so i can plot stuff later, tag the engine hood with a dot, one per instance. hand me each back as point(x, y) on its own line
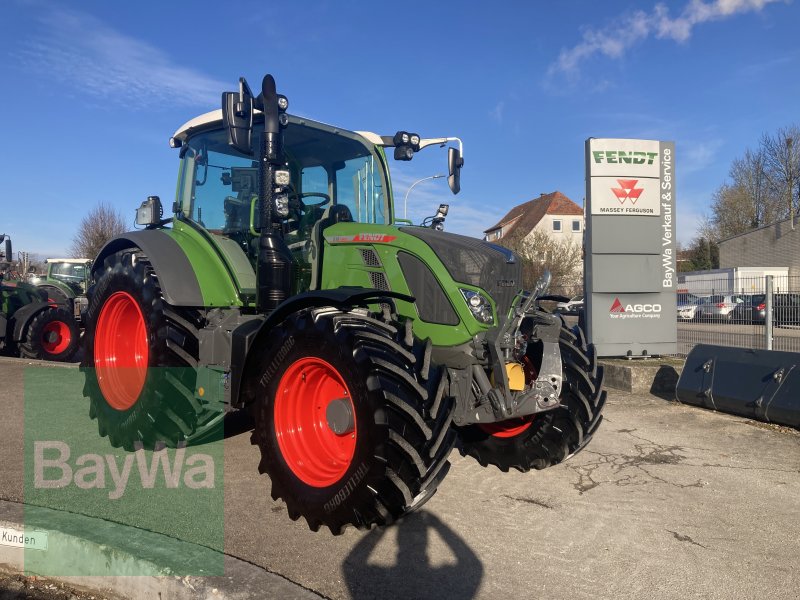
point(474, 262)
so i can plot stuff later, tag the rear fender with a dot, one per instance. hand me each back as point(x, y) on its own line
point(176, 275)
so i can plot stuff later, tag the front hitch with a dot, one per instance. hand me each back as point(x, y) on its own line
point(525, 324)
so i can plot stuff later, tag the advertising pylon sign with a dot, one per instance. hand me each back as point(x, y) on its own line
point(630, 245)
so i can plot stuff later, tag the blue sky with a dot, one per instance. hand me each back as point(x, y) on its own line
point(93, 90)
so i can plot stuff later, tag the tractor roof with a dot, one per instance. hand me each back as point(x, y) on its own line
point(214, 119)
point(73, 261)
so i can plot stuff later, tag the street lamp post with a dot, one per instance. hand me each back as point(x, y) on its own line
point(405, 200)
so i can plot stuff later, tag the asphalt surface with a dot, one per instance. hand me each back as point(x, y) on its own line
point(668, 501)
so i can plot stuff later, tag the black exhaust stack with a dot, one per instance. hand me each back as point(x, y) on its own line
point(274, 278)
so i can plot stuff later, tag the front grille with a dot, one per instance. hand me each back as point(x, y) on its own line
point(370, 257)
point(432, 303)
point(476, 263)
point(379, 281)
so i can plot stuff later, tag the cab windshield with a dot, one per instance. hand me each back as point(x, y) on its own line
point(219, 186)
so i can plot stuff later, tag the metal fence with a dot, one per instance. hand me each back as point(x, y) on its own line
point(759, 312)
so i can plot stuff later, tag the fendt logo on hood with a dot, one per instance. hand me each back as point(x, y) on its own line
point(627, 190)
point(634, 311)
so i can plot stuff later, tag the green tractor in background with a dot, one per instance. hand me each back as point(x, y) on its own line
point(65, 282)
point(364, 347)
point(31, 325)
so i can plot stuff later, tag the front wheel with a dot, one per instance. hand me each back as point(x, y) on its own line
point(353, 427)
point(541, 440)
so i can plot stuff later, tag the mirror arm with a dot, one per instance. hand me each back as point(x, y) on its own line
point(441, 142)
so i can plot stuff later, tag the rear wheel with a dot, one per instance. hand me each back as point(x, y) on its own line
point(353, 427)
point(52, 334)
point(141, 356)
point(541, 440)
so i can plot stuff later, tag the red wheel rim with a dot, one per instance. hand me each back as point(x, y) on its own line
point(121, 351)
point(509, 428)
point(313, 451)
point(56, 337)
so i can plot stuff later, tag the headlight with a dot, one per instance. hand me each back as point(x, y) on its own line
point(479, 306)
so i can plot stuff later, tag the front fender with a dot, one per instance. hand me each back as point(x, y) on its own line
point(252, 334)
point(23, 316)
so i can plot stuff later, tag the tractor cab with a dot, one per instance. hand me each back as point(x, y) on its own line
point(335, 176)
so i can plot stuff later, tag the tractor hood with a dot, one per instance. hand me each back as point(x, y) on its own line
point(477, 263)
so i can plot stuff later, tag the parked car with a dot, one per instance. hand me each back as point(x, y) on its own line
point(718, 307)
point(753, 309)
point(572, 307)
point(750, 310)
point(687, 306)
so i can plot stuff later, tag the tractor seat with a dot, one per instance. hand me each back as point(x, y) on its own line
point(338, 213)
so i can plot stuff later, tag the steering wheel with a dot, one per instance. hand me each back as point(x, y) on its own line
point(325, 198)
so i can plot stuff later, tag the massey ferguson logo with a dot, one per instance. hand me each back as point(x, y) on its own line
point(634, 311)
point(627, 190)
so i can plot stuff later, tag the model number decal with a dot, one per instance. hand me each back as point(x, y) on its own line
point(372, 238)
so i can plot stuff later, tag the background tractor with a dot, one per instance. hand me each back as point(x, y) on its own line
point(31, 326)
point(364, 347)
point(65, 282)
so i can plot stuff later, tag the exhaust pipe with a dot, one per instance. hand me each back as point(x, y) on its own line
point(274, 277)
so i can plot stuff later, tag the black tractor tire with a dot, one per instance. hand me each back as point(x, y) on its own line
point(555, 435)
point(402, 419)
point(52, 334)
point(127, 321)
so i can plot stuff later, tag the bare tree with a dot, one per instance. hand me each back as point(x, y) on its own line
point(732, 212)
point(782, 164)
point(750, 178)
point(101, 224)
point(539, 252)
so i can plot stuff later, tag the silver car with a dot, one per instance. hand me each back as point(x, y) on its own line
point(718, 306)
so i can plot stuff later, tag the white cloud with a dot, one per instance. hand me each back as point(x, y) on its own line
point(94, 59)
point(629, 29)
point(698, 156)
point(497, 112)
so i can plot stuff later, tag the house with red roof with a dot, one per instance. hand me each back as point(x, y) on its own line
point(554, 214)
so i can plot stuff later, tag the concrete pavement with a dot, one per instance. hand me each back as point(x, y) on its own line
point(668, 501)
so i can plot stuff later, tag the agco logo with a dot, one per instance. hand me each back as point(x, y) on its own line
point(634, 311)
point(627, 190)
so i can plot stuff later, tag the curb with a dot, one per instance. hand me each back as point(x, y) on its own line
point(241, 580)
point(651, 376)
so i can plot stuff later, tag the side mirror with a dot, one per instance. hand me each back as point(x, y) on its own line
point(8, 252)
point(454, 164)
point(237, 117)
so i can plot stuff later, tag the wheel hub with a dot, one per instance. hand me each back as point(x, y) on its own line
point(340, 416)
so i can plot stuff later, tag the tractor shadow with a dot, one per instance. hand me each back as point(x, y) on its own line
point(412, 575)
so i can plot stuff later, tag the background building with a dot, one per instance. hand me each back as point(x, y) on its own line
point(553, 213)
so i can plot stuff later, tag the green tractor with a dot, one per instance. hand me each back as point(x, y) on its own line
point(66, 282)
point(31, 325)
point(365, 347)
